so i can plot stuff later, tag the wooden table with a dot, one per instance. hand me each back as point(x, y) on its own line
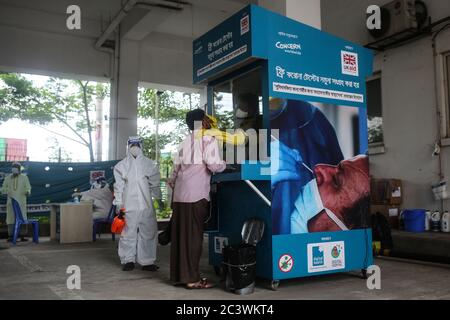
point(71, 222)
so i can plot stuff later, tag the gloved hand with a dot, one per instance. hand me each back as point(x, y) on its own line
point(121, 213)
point(119, 207)
point(286, 163)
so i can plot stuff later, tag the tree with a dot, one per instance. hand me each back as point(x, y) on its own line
point(56, 153)
point(55, 101)
point(223, 113)
point(172, 107)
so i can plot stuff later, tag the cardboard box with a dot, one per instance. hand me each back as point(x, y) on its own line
point(386, 192)
point(392, 213)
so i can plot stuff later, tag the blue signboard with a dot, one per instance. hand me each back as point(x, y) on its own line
point(304, 63)
point(307, 64)
point(226, 45)
point(321, 253)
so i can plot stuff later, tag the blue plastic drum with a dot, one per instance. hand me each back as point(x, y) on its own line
point(414, 220)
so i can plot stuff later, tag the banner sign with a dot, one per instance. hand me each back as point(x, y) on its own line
point(227, 44)
point(304, 63)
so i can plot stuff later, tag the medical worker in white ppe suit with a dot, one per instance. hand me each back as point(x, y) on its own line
point(137, 183)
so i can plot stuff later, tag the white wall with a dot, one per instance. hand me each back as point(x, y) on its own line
point(34, 39)
point(37, 40)
point(409, 108)
point(166, 59)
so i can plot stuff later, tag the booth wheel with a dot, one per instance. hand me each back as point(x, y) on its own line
point(364, 273)
point(274, 284)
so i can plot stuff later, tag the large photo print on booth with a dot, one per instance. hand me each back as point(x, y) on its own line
point(320, 181)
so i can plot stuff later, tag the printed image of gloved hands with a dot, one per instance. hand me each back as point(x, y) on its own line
point(287, 163)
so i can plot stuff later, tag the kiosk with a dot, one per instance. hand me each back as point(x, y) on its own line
point(303, 92)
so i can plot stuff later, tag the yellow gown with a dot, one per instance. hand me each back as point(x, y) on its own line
point(17, 187)
point(237, 138)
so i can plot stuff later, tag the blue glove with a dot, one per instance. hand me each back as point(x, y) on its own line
point(286, 163)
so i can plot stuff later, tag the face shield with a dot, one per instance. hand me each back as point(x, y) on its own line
point(276, 107)
point(134, 146)
point(246, 106)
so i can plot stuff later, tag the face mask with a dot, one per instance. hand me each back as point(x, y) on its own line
point(241, 114)
point(96, 185)
point(308, 205)
point(134, 151)
point(15, 170)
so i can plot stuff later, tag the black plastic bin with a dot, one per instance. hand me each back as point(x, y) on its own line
point(239, 265)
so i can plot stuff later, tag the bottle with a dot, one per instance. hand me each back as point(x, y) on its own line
point(436, 221)
point(427, 220)
point(445, 222)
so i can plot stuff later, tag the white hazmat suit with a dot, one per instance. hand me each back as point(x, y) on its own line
point(137, 182)
point(102, 198)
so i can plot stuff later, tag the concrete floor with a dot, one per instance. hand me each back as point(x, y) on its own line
point(29, 271)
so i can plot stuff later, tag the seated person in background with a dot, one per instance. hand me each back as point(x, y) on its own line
point(247, 112)
point(101, 195)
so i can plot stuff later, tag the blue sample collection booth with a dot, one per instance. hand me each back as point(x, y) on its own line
point(305, 90)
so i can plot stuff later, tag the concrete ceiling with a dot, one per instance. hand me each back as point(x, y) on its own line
point(92, 10)
point(193, 20)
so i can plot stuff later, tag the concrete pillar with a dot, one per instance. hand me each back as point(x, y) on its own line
point(305, 11)
point(278, 6)
point(123, 115)
point(203, 96)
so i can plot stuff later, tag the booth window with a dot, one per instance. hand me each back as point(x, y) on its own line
point(375, 111)
point(223, 106)
point(238, 102)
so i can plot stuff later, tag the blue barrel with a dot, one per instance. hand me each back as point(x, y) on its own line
point(414, 220)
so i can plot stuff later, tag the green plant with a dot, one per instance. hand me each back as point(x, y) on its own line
point(41, 219)
point(170, 108)
point(162, 213)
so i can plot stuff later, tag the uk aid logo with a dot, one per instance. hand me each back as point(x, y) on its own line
point(349, 61)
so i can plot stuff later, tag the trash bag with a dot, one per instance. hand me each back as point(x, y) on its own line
point(239, 265)
point(165, 236)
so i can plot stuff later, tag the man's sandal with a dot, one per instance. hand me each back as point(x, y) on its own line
point(202, 284)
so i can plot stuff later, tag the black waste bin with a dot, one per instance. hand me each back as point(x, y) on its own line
point(239, 261)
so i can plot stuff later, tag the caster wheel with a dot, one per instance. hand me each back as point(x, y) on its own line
point(274, 284)
point(364, 274)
